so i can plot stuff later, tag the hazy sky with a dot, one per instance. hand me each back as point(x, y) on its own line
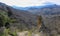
point(24, 3)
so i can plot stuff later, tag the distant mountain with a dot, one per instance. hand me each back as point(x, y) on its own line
point(20, 8)
point(46, 4)
point(47, 9)
point(37, 9)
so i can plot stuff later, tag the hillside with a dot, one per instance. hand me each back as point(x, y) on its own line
point(51, 19)
point(23, 18)
point(27, 19)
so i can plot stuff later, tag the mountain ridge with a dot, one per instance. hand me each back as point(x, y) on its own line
point(35, 7)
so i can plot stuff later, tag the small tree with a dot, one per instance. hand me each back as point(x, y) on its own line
point(39, 21)
point(5, 19)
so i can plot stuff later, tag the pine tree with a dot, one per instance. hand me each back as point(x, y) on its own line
point(39, 21)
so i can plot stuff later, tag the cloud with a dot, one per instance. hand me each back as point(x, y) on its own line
point(25, 3)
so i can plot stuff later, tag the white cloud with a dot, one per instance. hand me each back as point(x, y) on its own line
point(25, 3)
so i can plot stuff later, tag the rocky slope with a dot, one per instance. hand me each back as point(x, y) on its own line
point(51, 19)
point(23, 18)
point(50, 16)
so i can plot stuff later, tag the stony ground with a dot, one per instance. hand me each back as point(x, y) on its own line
point(26, 33)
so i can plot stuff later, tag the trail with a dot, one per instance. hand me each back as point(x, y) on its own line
point(25, 33)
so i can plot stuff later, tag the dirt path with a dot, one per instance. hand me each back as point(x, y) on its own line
point(25, 33)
